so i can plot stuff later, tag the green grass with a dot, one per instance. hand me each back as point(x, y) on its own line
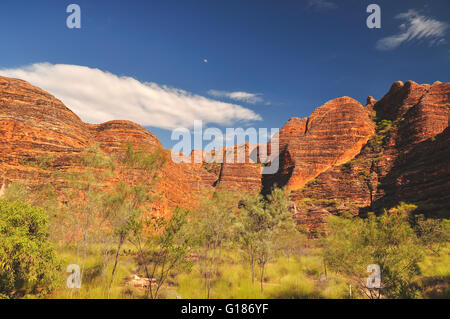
point(96, 277)
point(435, 278)
point(437, 265)
point(287, 278)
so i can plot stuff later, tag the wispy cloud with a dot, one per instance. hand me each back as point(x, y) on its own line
point(98, 96)
point(322, 5)
point(415, 27)
point(246, 97)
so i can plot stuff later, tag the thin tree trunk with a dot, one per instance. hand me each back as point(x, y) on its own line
point(211, 269)
point(206, 269)
point(84, 257)
point(115, 265)
point(262, 277)
point(253, 269)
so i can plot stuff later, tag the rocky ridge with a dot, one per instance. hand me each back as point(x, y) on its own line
point(344, 158)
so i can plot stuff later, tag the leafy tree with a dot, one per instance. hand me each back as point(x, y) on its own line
point(162, 247)
point(81, 216)
point(133, 196)
point(74, 200)
point(27, 258)
point(433, 233)
point(122, 208)
point(276, 221)
point(248, 228)
point(263, 226)
point(293, 242)
point(388, 240)
point(211, 229)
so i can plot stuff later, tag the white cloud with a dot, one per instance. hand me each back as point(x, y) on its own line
point(98, 96)
point(415, 27)
point(321, 4)
point(246, 97)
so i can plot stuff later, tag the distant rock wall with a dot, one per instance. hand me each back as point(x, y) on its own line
point(332, 135)
point(407, 159)
point(344, 158)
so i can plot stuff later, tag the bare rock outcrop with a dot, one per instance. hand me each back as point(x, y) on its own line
point(345, 158)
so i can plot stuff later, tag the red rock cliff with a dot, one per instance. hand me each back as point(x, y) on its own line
point(407, 159)
point(345, 157)
point(39, 134)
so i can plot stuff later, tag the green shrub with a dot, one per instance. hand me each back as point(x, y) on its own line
point(387, 240)
point(27, 259)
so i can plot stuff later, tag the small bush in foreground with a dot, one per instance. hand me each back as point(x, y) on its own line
point(27, 258)
point(387, 240)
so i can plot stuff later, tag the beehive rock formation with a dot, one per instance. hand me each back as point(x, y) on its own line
point(344, 158)
point(34, 125)
point(406, 160)
point(332, 135)
point(39, 135)
point(236, 172)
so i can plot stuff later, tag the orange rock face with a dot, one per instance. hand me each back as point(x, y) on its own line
point(406, 160)
point(238, 172)
point(39, 135)
point(343, 158)
point(332, 135)
point(417, 168)
point(111, 135)
point(35, 126)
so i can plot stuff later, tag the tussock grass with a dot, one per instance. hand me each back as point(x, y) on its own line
point(435, 278)
point(96, 276)
point(299, 277)
point(286, 278)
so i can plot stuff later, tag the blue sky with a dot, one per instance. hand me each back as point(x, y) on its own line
point(290, 56)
